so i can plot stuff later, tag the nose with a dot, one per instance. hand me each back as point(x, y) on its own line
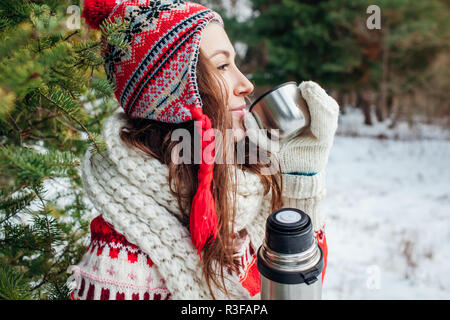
point(244, 87)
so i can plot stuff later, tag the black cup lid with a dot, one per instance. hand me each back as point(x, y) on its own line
point(289, 230)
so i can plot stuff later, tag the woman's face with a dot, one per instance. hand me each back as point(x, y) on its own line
point(218, 49)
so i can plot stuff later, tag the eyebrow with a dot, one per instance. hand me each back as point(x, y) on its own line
point(225, 52)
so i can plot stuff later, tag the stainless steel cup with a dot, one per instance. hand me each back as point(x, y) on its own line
point(290, 261)
point(282, 109)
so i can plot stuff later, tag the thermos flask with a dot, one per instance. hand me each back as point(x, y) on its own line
point(290, 261)
point(282, 111)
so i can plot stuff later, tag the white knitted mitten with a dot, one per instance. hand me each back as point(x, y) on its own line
point(308, 152)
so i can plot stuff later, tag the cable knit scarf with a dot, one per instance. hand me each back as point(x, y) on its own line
point(131, 191)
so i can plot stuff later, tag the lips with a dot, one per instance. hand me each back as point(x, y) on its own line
point(238, 108)
point(238, 112)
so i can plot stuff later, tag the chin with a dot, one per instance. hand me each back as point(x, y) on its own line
point(238, 134)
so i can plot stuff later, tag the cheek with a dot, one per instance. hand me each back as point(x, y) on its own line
point(226, 89)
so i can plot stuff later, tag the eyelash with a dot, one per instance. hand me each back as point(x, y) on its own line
point(223, 66)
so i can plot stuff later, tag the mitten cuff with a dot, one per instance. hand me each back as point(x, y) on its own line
point(302, 186)
point(304, 158)
point(305, 193)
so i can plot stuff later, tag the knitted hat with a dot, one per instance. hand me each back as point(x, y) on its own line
point(156, 78)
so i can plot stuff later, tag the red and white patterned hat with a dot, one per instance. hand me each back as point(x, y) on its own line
point(156, 78)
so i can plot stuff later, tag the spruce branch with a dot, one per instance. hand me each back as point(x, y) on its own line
point(69, 113)
point(47, 74)
point(11, 205)
point(19, 131)
point(70, 35)
point(13, 286)
point(114, 33)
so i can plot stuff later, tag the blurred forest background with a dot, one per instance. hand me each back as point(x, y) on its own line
point(394, 72)
point(54, 97)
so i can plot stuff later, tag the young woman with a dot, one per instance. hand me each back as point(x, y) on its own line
point(190, 230)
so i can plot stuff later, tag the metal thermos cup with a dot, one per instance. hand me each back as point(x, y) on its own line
point(290, 261)
point(282, 109)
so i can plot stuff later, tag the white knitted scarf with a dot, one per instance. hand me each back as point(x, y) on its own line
point(131, 191)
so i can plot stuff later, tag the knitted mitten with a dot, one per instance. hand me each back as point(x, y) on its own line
point(306, 153)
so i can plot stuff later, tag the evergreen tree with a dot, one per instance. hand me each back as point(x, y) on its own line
point(328, 41)
point(413, 35)
point(298, 40)
point(53, 99)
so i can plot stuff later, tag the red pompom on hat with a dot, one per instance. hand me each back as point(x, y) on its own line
point(95, 11)
point(156, 79)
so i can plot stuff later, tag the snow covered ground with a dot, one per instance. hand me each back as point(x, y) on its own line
point(388, 213)
point(388, 210)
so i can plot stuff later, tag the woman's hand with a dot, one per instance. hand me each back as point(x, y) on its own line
point(308, 152)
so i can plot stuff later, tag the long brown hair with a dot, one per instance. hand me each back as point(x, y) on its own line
point(154, 138)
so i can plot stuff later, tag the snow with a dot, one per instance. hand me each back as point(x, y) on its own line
point(351, 125)
point(387, 208)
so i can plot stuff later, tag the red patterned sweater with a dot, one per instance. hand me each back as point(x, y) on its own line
point(115, 269)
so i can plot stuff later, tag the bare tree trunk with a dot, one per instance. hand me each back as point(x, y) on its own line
point(389, 104)
point(353, 100)
point(340, 100)
point(381, 109)
point(397, 109)
point(345, 102)
point(409, 110)
point(366, 106)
